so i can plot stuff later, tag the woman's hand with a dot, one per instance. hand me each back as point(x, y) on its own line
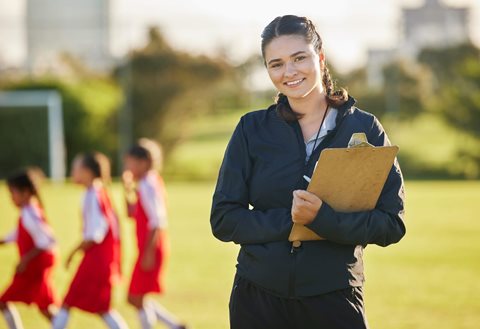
point(305, 207)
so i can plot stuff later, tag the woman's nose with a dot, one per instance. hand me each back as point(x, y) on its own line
point(290, 70)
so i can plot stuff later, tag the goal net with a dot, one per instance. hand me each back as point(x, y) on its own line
point(31, 132)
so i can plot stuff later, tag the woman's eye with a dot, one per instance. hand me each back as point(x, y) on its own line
point(300, 58)
point(276, 65)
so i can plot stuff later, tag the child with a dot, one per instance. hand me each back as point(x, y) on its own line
point(91, 287)
point(150, 215)
point(36, 245)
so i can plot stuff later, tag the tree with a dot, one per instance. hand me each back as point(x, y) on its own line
point(165, 87)
point(403, 95)
point(457, 98)
point(457, 76)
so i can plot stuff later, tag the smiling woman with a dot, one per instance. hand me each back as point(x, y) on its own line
point(301, 56)
point(261, 191)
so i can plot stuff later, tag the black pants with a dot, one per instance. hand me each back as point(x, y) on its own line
point(253, 308)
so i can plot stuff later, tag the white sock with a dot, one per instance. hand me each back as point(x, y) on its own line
point(12, 318)
point(147, 319)
point(114, 320)
point(161, 314)
point(60, 319)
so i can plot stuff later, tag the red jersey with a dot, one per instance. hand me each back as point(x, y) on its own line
point(99, 269)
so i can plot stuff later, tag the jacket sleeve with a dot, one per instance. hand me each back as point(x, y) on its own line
point(383, 225)
point(231, 219)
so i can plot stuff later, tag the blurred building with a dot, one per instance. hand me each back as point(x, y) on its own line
point(80, 29)
point(433, 25)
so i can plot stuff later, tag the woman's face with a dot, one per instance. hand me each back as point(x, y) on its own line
point(294, 66)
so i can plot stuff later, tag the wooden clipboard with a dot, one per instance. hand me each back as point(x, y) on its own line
point(349, 180)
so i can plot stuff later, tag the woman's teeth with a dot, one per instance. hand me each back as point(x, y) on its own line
point(293, 83)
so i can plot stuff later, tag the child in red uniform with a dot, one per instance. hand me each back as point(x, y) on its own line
point(36, 245)
point(149, 211)
point(91, 287)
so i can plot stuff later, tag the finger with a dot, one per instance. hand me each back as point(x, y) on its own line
point(307, 196)
point(302, 203)
point(294, 214)
point(299, 203)
point(295, 211)
point(295, 219)
point(299, 195)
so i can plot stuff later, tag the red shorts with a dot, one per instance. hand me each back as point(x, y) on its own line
point(33, 286)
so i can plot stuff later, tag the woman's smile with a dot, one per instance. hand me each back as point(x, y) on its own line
point(294, 83)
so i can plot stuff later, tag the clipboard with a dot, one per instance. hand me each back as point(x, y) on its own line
point(348, 179)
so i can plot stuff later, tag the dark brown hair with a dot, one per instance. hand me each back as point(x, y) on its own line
point(97, 163)
point(295, 25)
point(26, 180)
point(147, 149)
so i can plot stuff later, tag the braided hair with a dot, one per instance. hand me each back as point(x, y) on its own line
point(296, 25)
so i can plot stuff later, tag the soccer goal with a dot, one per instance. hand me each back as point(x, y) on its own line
point(51, 101)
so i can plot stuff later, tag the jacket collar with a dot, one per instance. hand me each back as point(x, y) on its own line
point(343, 110)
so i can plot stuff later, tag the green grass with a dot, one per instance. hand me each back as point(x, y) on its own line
point(438, 151)
point(428, 280)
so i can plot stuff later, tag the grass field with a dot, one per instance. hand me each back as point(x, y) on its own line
point(428, 280)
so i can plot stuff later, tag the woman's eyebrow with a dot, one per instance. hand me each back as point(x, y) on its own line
point(298, 53)
point(274, 60)
point(292, 55)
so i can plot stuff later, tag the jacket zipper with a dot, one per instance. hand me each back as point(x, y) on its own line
point(293, 272)
point(326, 140)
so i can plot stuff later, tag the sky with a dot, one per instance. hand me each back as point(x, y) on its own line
point(348, 27)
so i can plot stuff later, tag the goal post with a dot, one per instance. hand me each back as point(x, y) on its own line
point(52, 101)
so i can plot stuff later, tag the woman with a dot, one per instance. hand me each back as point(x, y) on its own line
point(260, 193)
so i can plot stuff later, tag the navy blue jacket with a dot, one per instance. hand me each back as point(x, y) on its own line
point(263, 164)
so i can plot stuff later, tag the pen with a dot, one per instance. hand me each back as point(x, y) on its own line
point(308, 179)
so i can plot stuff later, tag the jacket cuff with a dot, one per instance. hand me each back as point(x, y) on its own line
point(323, 223)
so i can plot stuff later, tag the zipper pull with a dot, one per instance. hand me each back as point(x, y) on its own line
point(295, 246)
